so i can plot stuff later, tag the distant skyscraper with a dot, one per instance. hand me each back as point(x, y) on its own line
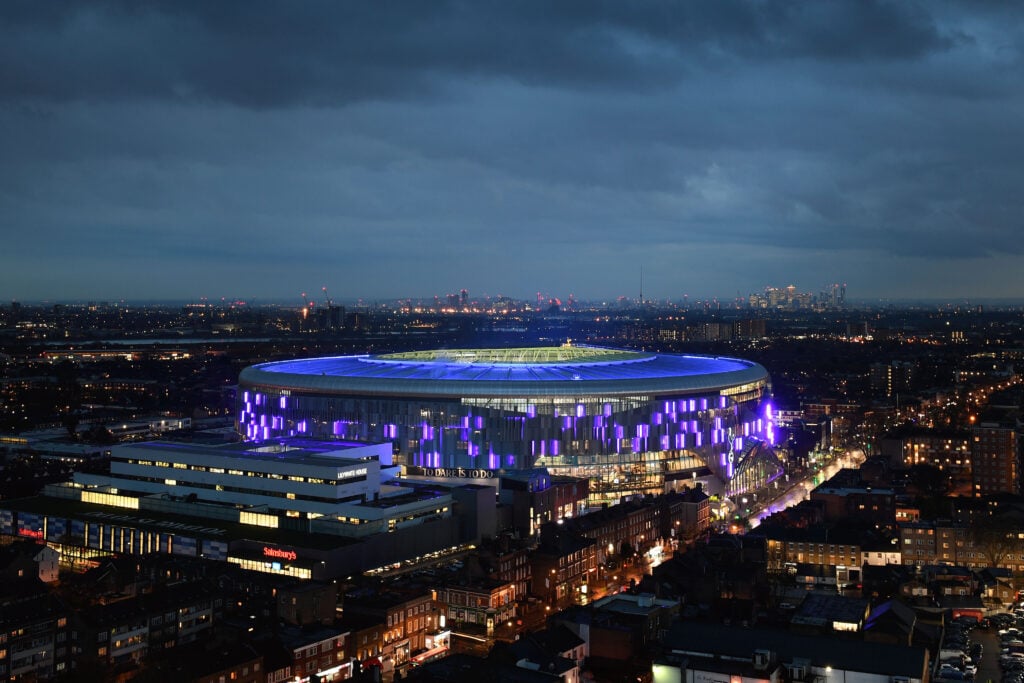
point(837, 296)
point(892, 378)
point(749, 329)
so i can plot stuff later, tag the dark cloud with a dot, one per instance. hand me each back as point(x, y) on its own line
point(267, 54)
point(177, 149)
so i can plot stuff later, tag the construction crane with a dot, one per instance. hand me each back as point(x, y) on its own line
point(307, 305)
point(331, 317)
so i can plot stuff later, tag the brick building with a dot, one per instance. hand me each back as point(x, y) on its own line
point(949, 450)
point(505, 559)
point(310, 652)
point(479, 602)
point(813, 545)
point(532, 498)
point(406, 619)
point(873, 505)
point(563, 566)
point(309, 602)
point(127, 631)
point(631, 526)
point(34, 633)
point(994, 458)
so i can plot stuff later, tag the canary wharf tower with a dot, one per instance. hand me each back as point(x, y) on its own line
point(630, 421)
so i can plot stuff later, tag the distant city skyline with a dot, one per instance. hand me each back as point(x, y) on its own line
point(177, 150)
point(581, 302)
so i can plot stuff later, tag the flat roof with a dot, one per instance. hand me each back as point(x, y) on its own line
point(642, 604)
point(200, 527)
point(704, 639)
point(287, 449)
point(549, 371)
point(821, 609)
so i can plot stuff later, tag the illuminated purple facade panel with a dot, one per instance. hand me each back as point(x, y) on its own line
point(438, 430)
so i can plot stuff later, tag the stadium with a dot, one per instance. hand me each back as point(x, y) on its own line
point(631, 422)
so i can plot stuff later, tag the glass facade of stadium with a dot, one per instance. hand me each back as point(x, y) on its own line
point(625, 442)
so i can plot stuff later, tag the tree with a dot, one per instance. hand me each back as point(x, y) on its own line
point(995, 537)
point(99, 434)
point(70, 422)
point(928, 480)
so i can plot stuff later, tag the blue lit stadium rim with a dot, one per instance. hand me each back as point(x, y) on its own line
point(582, 411)
point(509, 372)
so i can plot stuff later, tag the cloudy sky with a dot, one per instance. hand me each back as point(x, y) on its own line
point(173, 150)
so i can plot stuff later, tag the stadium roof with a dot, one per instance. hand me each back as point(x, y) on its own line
point(546, 371)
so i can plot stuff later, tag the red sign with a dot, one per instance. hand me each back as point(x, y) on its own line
point(289, 555)
point(30, 533)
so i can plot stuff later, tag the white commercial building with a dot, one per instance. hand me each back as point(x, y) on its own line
point(311, 509)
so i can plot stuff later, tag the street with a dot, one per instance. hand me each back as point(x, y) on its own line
point(801, 489)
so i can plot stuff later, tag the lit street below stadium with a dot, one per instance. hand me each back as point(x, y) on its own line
point(800, 489)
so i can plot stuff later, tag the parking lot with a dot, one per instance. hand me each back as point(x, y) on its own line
point(960, 636)
point(988, 668)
